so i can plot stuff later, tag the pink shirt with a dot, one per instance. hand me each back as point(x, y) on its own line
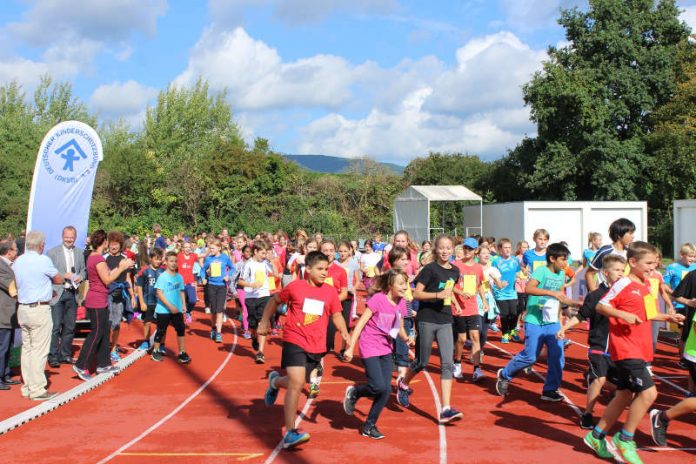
point(97, 295)
point(375, 339)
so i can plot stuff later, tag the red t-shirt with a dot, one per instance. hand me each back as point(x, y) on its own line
point(469, 276)
point(309, 309)
point(339, 279)
point(186, 266)
point(630, 341)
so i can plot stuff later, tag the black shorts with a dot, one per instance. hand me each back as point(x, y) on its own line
point(164, 320)
point(601, 366)
point(255, 307)
point(465, 324)
point(633, 375)
point(686, 328)
point(295, 356)
point(149, 314)
point(217, 297)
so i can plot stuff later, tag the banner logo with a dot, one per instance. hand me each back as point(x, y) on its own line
point(69, 154)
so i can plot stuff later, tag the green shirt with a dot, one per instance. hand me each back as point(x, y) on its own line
point(548, 280)
point(690, 345)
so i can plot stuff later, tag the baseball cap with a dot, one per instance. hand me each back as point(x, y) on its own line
point(471, 243)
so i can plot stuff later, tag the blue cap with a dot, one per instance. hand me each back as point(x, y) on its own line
point(471, 242)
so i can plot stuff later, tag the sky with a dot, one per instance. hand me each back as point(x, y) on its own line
point(389, 79)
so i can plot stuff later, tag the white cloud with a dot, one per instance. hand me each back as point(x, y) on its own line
point(26, 72)
point(688, 15)
point(105, 21)
point(297, 12)
point(256, 76)
point(126, 100)
point(529, 15)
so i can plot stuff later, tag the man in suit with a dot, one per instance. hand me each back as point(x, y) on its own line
point(70, 262)
point(8, 310)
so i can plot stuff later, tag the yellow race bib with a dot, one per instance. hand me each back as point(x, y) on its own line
point(654, 287)
point(650, 307)
point(469, 284)
point(408, 295)
point(537, 264)
point(271, 283)
point(684, 274)
point(215, 269)
point(370, 271)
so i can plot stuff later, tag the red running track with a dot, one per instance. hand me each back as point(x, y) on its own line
point(212, 411)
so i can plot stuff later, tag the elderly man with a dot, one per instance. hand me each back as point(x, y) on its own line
point(8, 310)
point(70, 262)
point(35, 274)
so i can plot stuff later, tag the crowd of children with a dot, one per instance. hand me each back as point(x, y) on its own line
point(453, 291)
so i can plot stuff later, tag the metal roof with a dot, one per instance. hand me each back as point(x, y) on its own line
point(438, 193)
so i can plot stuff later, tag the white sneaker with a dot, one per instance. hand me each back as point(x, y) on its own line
point(457, 372)
point(207, 310)
point(224, 317)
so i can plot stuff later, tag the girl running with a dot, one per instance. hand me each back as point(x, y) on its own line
point(491, 276)
point(381, 322)
point(399, 260)
point(217, 267)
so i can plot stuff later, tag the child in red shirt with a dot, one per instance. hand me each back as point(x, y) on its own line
point(311, 304)
point(630, 308)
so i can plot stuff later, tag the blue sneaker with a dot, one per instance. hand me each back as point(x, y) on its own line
point(449, 415)
point(115, 356)
point(505, 339)
point(162, 349)
point(272, 393)
point(212, 334)
point(515, 336)
point(144, 346)
point(294, 437)
point(403, 392)
point(218, 338)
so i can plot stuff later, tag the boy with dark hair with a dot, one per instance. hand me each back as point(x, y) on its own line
point(170, 308)
point(621, 233)
point(630, 307)
point(310, 303)
point(542, 324)
point(147, 295)
point(601, 367)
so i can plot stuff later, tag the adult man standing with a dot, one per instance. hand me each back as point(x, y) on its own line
point(35, 274)
point(8, 310)
point(70, 262)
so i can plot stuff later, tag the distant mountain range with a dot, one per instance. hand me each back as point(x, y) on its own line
point(333, 164)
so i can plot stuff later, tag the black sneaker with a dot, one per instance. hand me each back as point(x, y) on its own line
point(587, 422)
point(157, 356)
point(370, 431)
point(255, 344)
point(501, 386)
point(551, 395)
point(349, 400)
point(184, 358)
point(658, 429)
point(260, 358)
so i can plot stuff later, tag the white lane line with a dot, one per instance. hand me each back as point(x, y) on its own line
point(181, 406)
point(441, 429)
point(663, 379)
point(566, 400)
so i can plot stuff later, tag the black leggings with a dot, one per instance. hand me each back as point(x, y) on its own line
point(163, 321)
point(346, 306)
point(508, 315)
point(379, 376)
point(98, 343)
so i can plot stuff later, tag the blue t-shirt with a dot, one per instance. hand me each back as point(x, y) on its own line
point(532, 260)
point(146, 280)
point(161, 243)
point(171, 286)
point(219, 266)
point(588, 255)
point(508, 273)
point(674, 273)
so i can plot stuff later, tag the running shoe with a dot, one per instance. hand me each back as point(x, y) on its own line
point(649, 369)
point(528, 370)
point(494, 328)
point(246, 335)
point(115, 356)
point(505, 339)
point(207, 310)
point(187, 318)
point(566, 343)
point(313, 390)
point(255, 344)
point(163, 350)
point(371, 431)
point(82, 373)
point(587, 422)
point(551, 395)
point(478, 375)
point(212, 334)
point(157, 356)
point(501, 386)
point(259, 358)
point(108, 370)
point(349, 400)
point(294, 437)
point(515, 336)
point(183, 358)
point(272, 392)
point(403, 392)
point(218, 338)
point(599, 446)
point(144, 346)
point(449, 415)
point(626, 449)
point(457, 371)
point(658, 429)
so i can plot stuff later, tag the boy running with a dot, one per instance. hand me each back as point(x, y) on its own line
point(310, 305)
point(147, 294)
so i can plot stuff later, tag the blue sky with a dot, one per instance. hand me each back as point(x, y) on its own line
point(389, 79)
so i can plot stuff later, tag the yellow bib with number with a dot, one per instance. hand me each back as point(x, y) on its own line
point(370, 271)
point(408, 295)
point(650, 307)
point(271, 283)
point(215, 269)
point(260, 276)
point(684, 274)
point(654, 287)
point(469, 284)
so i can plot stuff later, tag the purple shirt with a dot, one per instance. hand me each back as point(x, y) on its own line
point(375, 339)
point(97, 293)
